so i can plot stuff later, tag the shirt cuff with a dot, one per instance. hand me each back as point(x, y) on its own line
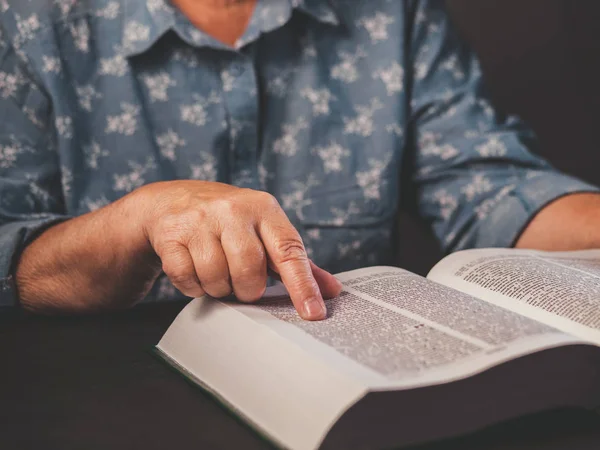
point(513, 209)
point(14, 237)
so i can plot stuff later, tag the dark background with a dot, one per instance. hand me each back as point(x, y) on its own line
point(91, 383)
point(541, 60)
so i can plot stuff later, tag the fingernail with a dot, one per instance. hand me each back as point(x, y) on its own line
point(314, 308)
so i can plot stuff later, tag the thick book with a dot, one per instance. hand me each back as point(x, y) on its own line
point(489, 335)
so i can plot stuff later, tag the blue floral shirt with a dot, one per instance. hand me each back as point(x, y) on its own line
point(339, 108)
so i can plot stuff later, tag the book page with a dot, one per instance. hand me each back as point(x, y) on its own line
point(274, 385)
point(561, 289)
point(393, 329)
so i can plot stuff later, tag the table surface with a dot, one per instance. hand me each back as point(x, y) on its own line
point(94, 383)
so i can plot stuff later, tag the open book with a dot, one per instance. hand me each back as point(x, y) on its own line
point(490, 335)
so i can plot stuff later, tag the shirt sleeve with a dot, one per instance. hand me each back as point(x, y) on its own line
point(473, 173)
point(30, 186)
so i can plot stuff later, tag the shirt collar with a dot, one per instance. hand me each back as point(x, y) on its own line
point(321, 10)
point(145, 21)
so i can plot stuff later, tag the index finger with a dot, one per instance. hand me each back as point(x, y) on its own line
point(287, 253)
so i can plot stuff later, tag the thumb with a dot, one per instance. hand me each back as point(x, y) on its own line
point(329, 285)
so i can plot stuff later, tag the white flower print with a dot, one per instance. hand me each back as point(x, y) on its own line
point(363, 124)
point(156, 5)
point(228, 80)
point(93, 205)
point(117, 65)
point(392, 77)
point(64, 126)
point(471, 134)
point(341, 216)
point(9, 154)
point(86, 95)
point(26, 29)
point(450, 238)
point(452, 64)
point(186, 55)
point(166, 290)
point(50, 64)
point(135, 177)
point(168, 143)
point(65, 6)
point(81, 36)
point(371, 180)
point(345, 249)
point(158, 85)
point(110, 11)
point(494, 147)
point(295, 200)
point(421, 70)
point(450, 112)
point(479, 184)
point(287, 144)
point(314, 234)
point(444, 151)
point(10, 83)
point(427, 139)
point(446, 202)
point(93, 152)
point(376, 26)
point(244, 178)
point(206, 171)
point(135, 32)
point(195, 113)
point(32, 116)
point(346, 70)
point(483, 209)
point(530, 174)
point(319, 98)
point(124, 123)
point(425, 170)
point(236, 127)
point(488, 110)
point(278, 85)
point(332, 156)
point(37, 194)
point(307, 44)
point(433, 28)
point(197, 36)
point(66, 176)
point(420, 17)
point(394, 128)
point(263, 175)
point(430, 147)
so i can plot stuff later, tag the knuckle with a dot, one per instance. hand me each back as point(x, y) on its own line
point(172, 225)
point(251, 252)
point(248, 275)
point(250, 292)
point(291, 249)
point(217, 290)
point(227, 206)
point(267, 199)
point(250, 296)
point(179, 275)
point(215, 280)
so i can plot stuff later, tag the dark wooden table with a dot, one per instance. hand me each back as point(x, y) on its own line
point(94, 383)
